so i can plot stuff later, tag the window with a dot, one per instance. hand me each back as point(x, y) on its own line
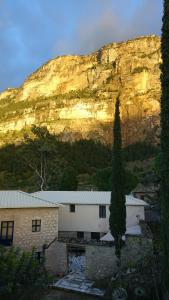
point(95, 236)
point(102, 211)
point(36, 225)
point(7, 228)
point(38, 256)
point(80, 235)
point(72, 207)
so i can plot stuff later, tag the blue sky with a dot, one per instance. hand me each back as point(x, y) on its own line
point(34, 31)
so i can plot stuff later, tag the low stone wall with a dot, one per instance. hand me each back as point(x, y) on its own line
point(101, 261)
point(136, 250)
point(56, 258)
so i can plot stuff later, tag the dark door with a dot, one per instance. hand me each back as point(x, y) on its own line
point(76, 260)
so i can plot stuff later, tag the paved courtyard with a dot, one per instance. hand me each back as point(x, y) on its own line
point(62, 295)
point(78, 283)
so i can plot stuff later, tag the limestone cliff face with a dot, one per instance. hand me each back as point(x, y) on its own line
point(74, 96)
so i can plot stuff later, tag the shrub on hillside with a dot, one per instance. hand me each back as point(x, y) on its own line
point(103, 180)
point(139, 151)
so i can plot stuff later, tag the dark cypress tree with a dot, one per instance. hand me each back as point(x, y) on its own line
point(164, 167)
point(117, 219)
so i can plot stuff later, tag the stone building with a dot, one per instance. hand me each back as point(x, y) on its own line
point(28, 222)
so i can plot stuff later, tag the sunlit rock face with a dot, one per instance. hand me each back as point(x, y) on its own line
point(74, 96)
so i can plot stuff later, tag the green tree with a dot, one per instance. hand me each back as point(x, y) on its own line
point(165, 140)
point(69, 180)
point(41, 156)
point(117, 218)
point(102, 179)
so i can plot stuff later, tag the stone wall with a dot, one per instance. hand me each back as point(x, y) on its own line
point(101, 261)
point(136, 250)
point(56, 258)
point(23, 236)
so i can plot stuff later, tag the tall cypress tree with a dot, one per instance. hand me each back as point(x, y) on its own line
point(165, 139)
point(117, 220)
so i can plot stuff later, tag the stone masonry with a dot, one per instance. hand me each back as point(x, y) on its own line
point(23, 236)
point(56, 258)
point(101, 261)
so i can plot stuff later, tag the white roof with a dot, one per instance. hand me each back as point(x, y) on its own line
point(18, 199)
point(78, 197)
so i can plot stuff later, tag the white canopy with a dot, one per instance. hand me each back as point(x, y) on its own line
point(133, 230)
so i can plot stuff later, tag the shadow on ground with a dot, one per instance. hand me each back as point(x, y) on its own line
point(61, 295)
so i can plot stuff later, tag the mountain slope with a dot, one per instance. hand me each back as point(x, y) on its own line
point(74, 96)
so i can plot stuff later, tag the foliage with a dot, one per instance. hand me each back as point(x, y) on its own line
point(102, 179)
point(139, 151)
point(130, 182)
point(69, 180)
point(117, 218)
point(21, 274)
point(139, 69)
point(164, 167)
point(157, 164)
point(99, 56)
point(83, 93)
point(42, 159)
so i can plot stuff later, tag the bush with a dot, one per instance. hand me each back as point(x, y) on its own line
point(103, 180)
point(139, 70)
point(69, 180)
point(139, 151)
point(21, 274)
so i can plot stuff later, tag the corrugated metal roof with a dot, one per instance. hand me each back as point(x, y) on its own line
point(18, 199)
point(78, 197)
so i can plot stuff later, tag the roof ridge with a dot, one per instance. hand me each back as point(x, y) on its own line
point(43, 200)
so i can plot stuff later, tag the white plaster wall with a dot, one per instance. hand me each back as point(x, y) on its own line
point(86, 218)
point(132, 212)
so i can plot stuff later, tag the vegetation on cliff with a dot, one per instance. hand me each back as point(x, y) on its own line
point(41, 160)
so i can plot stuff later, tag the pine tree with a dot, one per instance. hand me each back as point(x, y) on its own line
point(164, 168)
point(117, 219)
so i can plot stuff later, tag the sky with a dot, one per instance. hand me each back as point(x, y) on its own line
point(35, 31)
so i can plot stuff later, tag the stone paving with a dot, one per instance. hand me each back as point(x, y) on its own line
point(67, 295)
point(78, 283)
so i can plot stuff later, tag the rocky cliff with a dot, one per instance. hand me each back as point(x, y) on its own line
point(74, 96)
